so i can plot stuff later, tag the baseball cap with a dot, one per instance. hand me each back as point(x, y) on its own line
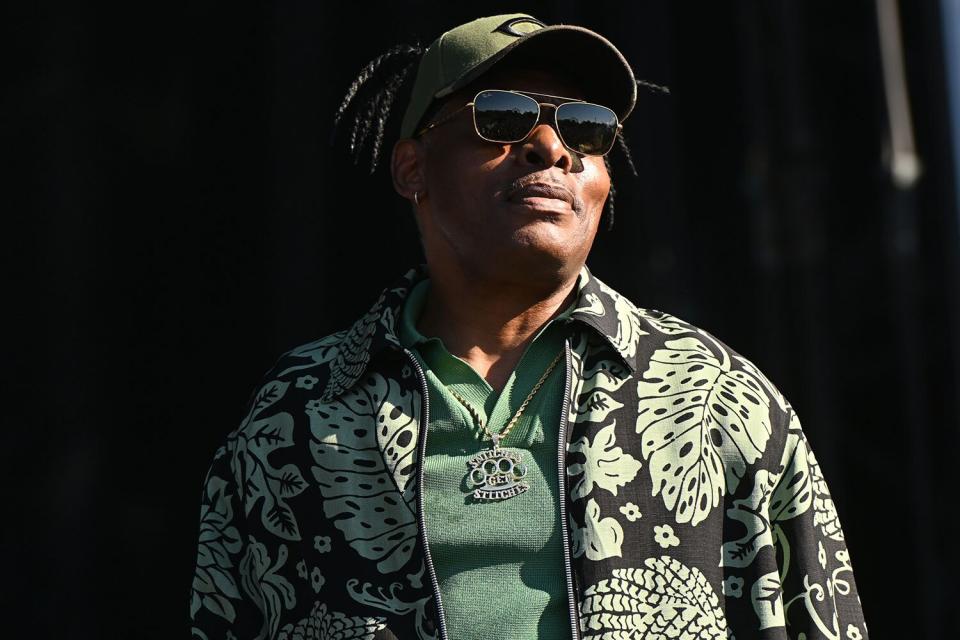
point(466, 52)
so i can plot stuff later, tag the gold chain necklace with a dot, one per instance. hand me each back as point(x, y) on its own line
point(498, 474)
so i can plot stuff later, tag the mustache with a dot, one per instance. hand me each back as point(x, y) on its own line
point(576, 202)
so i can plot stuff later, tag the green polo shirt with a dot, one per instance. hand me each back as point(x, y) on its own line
point(499, 563)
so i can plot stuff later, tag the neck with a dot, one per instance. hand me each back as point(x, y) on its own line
point(488, 323)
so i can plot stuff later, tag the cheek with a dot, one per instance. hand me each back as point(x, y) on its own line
point(596, 183)
point(465, 177)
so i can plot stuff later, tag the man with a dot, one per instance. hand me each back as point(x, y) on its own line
point(503, 446)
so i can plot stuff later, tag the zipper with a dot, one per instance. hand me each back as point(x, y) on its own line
point(562, 493)
point(421, 520)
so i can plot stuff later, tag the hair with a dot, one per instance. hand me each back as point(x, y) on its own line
point(374, 92)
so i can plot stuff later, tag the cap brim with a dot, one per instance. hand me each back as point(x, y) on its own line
point(601, 70)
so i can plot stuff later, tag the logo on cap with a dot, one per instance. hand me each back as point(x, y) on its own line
point(507, 27)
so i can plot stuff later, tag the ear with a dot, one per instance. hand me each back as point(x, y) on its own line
point(406, 167)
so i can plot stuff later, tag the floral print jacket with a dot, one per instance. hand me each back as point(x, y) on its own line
point(694, 505)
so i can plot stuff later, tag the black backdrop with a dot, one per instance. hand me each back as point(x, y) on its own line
point(176, 218)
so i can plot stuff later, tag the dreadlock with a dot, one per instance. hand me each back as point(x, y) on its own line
point(376, 89)
point(622, 145)
point(659, 88)
point(608, 205)
point(625, 149)
point(379, 82)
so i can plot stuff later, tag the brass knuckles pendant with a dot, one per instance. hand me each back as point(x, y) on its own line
point(497, 474)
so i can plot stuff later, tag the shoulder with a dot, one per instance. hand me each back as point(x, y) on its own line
point(305, 369)
point(705, 412)
point(264, 456)
point(701, 360)
point(660, 340)
point(685, 372)
point(685, 375)
point(314, 358)
point(653, 336)
point(700, 416)
point(307, 365)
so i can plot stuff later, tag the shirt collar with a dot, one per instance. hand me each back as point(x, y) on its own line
point(409, 335)
point(597, 306)
point(407, 331)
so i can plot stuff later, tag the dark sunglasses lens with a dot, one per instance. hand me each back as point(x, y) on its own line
point(504, 117)
point(587, 128)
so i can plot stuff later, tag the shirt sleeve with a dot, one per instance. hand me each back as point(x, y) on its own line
point(220, 607)
point(812, 592)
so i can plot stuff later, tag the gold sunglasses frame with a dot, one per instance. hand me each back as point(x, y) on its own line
point(540, 105)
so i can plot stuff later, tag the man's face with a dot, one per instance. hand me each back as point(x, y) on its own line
point(518, 212)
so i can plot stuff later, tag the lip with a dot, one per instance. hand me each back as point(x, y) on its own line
point(541, 195)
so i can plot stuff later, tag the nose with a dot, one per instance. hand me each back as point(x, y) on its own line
point(543, 149)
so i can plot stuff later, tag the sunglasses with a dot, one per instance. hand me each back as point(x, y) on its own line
point(506, 117)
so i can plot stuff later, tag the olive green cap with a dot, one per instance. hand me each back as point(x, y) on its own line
point(464, 53)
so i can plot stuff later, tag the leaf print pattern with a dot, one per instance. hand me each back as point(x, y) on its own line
point(751, 512)
point(595, 390)
point(313, 353)
point(666, 599)
point(213, 584)
point(771, 520)
point(772, 391)
point(793, 494)
point(358, 482)
point(814, 593)
point(628, 323)
point(606, 465)
point(588, 302)
point(599, 538)
point(593, 305)
point(256, 439)
point(353, 351)
point(701, 423)
point(767, 601)
point(693, 414)
point(825, 513)
point(389, 599)
point(322, 624)
point(264, 585)
point(773, 500)
point(664, 322)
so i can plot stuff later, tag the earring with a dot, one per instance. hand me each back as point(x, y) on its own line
point(416, 197)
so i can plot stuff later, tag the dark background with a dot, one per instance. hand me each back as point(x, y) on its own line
point(176, 218)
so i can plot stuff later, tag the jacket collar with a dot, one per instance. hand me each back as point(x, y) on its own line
point(598, 306)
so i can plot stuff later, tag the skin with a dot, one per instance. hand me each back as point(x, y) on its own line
point(501, 263)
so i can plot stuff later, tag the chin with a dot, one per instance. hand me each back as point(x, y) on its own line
point(534, 259)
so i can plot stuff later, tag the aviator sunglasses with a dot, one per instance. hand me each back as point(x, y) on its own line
point(510, 116)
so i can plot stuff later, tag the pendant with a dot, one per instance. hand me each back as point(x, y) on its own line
point(497, 474)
